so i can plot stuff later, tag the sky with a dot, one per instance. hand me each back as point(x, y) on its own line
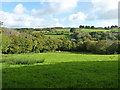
point(58, 13)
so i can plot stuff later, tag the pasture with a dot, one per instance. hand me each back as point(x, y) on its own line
point(62, 29)
point(62, 70)
point(59, 36)
point(86, 30)
point(93, 30)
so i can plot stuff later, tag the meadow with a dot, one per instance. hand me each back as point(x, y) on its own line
point(62, 29)
point(60, 36)
point(67, 32)
point(86, 30)
point(61, 70)
point(31, 60)
point(94, 30)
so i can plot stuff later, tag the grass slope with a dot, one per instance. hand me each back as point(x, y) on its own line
point(63, 70)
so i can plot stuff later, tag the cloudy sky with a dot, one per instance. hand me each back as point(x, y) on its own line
point(55, 13)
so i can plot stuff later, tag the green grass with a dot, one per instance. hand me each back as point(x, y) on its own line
point(62, 29)
point(59, 36)
point(93, 30)
point(63, 70)
point(22, 59)
point(87, 30)
point(115, 29)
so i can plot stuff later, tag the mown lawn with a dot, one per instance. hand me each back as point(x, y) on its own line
point(62, 70)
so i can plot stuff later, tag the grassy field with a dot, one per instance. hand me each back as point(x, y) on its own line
point(62, 70)
point(115, 29)
point(59, 36)
point(86, 30)
point(62, 29)
point(93, 30)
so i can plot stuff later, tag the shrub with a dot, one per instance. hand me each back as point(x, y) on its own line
point(91, 46)
point(113, 48)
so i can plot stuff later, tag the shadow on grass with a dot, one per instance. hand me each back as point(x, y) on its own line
point(63, 75)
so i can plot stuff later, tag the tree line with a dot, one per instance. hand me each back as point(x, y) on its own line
point(93, 27)
point(95, 42)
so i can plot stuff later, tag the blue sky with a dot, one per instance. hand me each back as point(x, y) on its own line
point(60, 13)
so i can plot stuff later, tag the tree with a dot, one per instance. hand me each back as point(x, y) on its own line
point(5, 43)
point(87, 27)
point(101, 46)
point(72, 29)
point(113, 48)
point(92, 27)
point(108, 28)
point(116, 26)
point(105, 28)
point(81, 26)
point(1, 23)
point(90, 46)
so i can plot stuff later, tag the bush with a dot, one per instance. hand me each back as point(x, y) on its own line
point(102, 45)
point(91, 46)
point(5, 43)
point(114, 48)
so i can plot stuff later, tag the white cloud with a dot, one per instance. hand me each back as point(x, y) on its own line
point(56, 7)
point(58, 20)
point(19, 9)
point(103, 23)
point(105, 9)
point(78, 17)
point(19, 18)
point(55, 24)
point(105, 4)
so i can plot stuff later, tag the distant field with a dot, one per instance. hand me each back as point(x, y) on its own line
point(94, 30)
point(62, 70)
point(86, 30)
point(0, 42)
point(116, 29)
point(59, 36)
point(90, 30)
point(62, 29)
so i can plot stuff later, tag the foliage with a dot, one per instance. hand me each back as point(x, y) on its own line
point(1, 23)
point(72, 30)
point(5, 43)
point(95, 42)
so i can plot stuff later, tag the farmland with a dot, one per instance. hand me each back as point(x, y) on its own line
point(67, 34)
point(59, 44)
point(77, 70)
point(50, 59)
